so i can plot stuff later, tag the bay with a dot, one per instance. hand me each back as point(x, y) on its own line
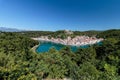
point(45, 46)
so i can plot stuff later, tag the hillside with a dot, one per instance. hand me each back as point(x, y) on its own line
point(97, 62)
point(5, 29)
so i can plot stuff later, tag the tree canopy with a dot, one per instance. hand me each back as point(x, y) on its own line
point(97, 62)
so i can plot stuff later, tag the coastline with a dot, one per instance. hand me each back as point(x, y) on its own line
point(67, 44)
point(33, 49)
point(77, 41)
point(45, 46)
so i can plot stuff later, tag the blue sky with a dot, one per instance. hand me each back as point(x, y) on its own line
point(60, 14)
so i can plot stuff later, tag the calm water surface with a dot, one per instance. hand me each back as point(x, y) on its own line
point(45, 46)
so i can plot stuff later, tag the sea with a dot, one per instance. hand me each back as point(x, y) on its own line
point(44, 46)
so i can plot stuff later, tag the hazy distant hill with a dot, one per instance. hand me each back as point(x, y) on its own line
point(5, 29)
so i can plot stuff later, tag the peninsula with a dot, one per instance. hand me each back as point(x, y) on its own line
point(76, 41)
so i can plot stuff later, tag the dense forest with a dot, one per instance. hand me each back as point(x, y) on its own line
point(58, 34)
point(98, 62)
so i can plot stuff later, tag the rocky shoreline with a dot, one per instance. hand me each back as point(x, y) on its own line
point(34, 48)
point(77, 41)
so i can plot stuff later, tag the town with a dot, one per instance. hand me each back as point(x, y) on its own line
point(76, 41)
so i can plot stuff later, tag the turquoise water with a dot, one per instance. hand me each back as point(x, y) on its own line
point(45, 46)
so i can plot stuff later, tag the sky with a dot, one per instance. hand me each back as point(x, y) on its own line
point(52, 15)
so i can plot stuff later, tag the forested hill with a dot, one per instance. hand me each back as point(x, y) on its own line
point(113, 33)
point(62, 34)
point(59, 34)
point(98, 62)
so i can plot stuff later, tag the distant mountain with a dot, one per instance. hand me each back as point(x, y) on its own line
point(5, 29)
